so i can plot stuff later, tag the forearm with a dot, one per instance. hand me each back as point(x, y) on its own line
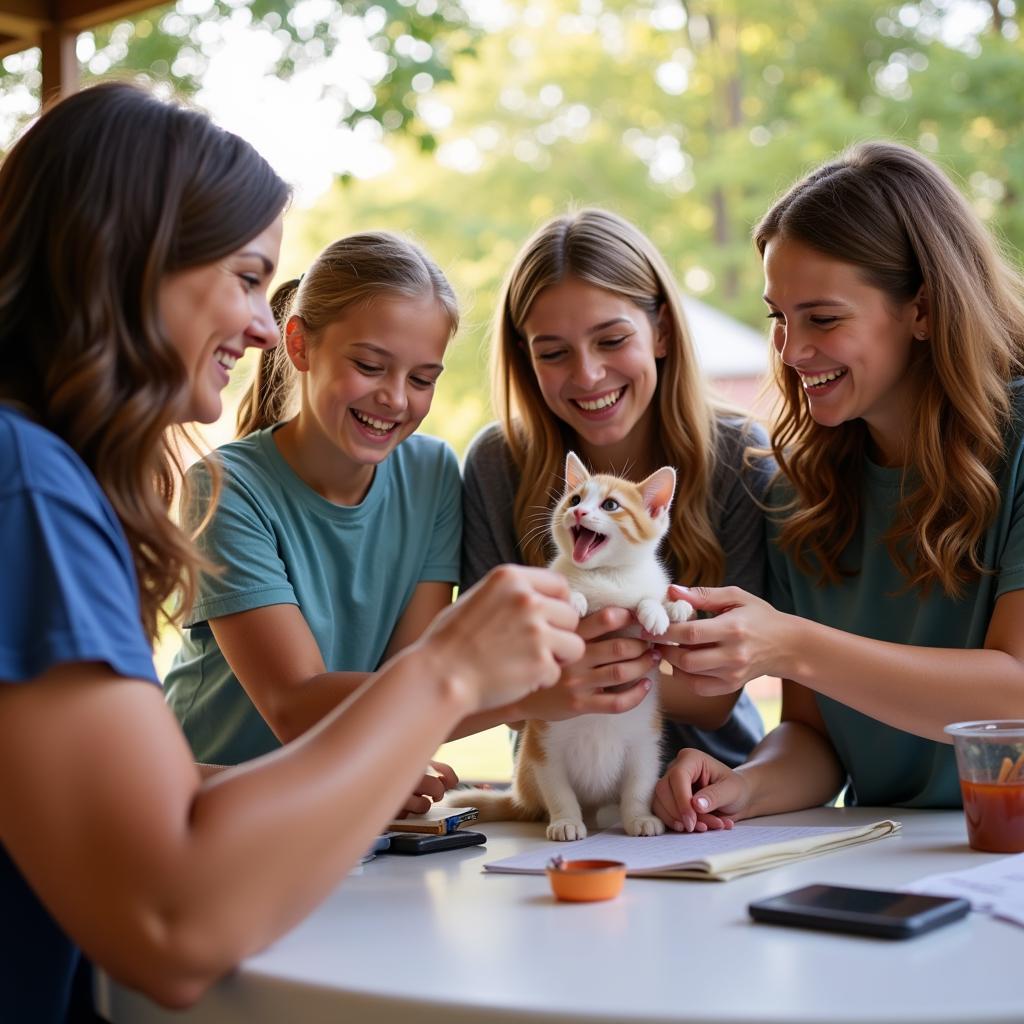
point(681, 704)
point(917, 689)
point(167, 880)
point(792, 768)
point(482, 720)
point(266, 842)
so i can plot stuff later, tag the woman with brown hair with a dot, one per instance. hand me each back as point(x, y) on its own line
point(897, 537)
point(592, 353)
point(137, 241)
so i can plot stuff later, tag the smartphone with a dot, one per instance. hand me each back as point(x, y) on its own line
point(430, 842)
point(837, 908)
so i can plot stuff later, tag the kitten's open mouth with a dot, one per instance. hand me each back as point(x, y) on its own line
point(585, 543)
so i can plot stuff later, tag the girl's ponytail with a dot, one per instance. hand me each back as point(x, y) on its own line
point(270, 394)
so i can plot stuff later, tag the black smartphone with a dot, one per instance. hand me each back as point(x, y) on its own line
point(430, 842)
point(837, 908)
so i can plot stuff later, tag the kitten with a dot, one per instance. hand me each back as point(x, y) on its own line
point(607, 531)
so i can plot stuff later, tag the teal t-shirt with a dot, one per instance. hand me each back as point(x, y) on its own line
point(351, 570)
point(887, 766)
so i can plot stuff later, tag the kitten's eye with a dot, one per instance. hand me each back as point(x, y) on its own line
point(610, 505)
point(574, 500)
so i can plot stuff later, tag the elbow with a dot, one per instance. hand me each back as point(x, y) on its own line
point(718, 716)
point(286, 721)
point(712, 713)
point(174, 964)
point(175, 993)
point(167, 991)
point(172, 986)
point(717, 723)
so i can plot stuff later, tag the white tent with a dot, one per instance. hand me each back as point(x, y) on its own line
point(726, 347)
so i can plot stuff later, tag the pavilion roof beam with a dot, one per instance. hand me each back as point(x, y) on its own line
point(85, 14)
point(53, 25)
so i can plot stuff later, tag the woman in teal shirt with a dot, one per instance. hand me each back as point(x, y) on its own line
point(897, 550)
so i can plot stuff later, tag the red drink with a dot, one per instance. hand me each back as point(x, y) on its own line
point(995, 815)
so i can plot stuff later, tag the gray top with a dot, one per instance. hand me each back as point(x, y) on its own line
point(489, 539)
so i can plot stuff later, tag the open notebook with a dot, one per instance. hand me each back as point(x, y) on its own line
point(717, 856)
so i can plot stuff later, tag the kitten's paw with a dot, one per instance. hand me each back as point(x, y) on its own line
point(652, 617)
point(644, 825)
point(565, 830)
point(578, 602)
point(679, 611)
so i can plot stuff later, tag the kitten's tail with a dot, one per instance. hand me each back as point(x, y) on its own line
point(493, 804)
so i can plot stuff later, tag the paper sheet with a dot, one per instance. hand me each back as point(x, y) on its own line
point(995, 888)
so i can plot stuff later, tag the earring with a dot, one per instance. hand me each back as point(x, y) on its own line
point(921, 336)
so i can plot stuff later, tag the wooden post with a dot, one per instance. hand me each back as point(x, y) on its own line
point(59, 62)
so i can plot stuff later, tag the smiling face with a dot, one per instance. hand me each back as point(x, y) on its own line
point(593, 355)
point(212, 313)
point(368, 379)
point(849, 343)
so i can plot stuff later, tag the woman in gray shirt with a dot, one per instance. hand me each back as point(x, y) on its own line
point(591, 353)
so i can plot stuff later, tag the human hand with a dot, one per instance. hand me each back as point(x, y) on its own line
point(431, 788)
point(698, 793)
point(507, 637)
point(610, 677)
point(746, 638)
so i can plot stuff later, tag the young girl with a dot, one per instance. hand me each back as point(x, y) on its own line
point(592, 354)
point(898, 549)
point(124, 301)
point(337, 532)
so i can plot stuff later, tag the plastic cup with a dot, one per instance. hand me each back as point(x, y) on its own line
point(990, 760)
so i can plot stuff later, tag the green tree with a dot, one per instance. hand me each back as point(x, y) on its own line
point(689, 118)
point(417, 40)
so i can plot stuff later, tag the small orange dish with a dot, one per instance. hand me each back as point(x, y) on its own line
point(584, 881)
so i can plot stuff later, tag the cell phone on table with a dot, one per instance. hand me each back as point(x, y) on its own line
point(838, 908)
point(431, 842)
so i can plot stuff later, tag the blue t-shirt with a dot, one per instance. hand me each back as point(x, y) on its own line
point(885, 765)
point(68, 593)
point(350, 569)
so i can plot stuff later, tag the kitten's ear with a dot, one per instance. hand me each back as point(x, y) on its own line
point(658, 490)
point(575, 471)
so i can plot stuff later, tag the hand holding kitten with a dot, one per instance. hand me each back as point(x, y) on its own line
point(745, 638)
point(618, 662)
point(506, 637)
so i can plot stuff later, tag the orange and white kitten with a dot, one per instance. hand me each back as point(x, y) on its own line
point(607, 531)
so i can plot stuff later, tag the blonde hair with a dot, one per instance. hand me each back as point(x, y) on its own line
point(898, 219)
point(604, 250)
point(357, 269)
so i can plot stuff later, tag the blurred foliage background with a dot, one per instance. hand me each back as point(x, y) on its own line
point(687, 116)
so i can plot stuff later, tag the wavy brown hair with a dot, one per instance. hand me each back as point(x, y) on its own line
point(356, 269)
point(605, 250)
point(893, 215)
point(108, 192)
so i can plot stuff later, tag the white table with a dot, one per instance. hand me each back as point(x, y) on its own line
point(432, 940)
